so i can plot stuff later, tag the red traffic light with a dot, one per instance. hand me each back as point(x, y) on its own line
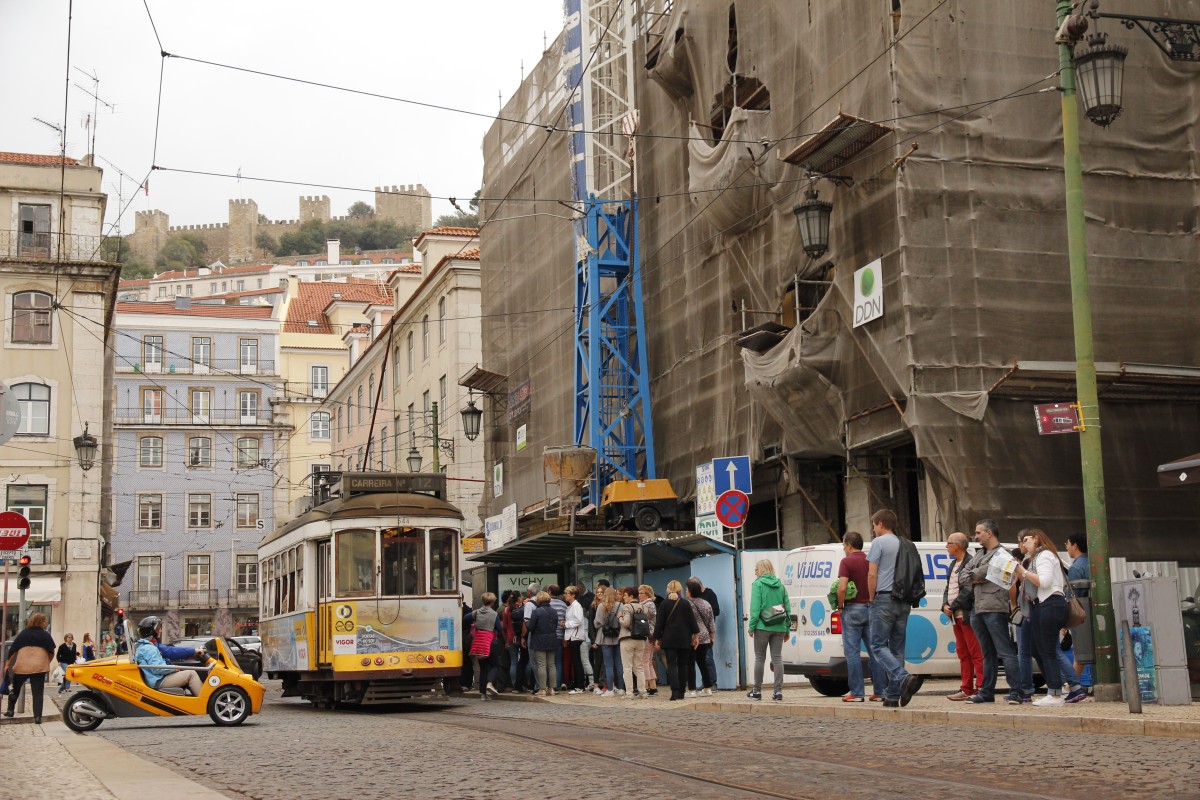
point(24, 561)
point(120, 612)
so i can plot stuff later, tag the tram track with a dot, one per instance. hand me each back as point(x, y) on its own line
point(761, 771)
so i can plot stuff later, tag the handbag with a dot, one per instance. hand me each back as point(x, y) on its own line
point(1076, 616)
point(774, 614)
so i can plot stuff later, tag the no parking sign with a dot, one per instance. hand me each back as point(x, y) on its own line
point(733, 507)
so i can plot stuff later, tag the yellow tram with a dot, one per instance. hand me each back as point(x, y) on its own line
point(359, 596)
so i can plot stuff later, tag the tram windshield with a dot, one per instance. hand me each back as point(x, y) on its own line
point(397, 561)
point(443, 560)
point(356, 563)
point(403, 558)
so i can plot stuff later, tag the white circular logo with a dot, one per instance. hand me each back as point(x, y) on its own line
point(213, 680)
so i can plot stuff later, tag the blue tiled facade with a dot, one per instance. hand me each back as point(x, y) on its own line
point(196, 466)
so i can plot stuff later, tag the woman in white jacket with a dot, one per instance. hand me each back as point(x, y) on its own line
point(573, 637)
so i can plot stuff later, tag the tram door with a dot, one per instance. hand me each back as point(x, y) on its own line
point(324, 606)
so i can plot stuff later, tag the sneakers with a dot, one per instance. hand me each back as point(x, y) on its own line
point(777, 696)
point(876, 698)
point(958, 696)
point(706, 693)
point(754, 695)
point(692, 693)
point(539, 693)
point(980, 699)
point(651, 692)
point(1049, 700)
point(606, 693)
point(491, 690)
point(1014, 699)
point(618, 692)
point(891, 703)
point(1076, 696)
point(852, 698)
point(575, 691)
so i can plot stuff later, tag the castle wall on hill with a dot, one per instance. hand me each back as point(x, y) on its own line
point(235, 241)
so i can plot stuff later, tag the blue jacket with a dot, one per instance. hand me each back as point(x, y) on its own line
point(543, 628)
point(147, 651)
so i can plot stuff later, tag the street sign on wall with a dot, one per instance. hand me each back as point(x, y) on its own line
point(732, 473)
point(1057, 418)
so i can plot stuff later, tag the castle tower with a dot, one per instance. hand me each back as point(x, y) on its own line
point(314, 208)
point(407, 206)
point(149, 235)
point(243, 230)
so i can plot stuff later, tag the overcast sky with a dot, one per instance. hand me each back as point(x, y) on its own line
point(464, 54)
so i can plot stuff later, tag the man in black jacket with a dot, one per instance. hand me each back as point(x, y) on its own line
point(957, 600)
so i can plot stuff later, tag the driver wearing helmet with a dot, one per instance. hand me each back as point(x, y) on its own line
point(148, 652)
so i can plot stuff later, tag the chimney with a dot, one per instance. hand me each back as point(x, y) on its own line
point(334, 251)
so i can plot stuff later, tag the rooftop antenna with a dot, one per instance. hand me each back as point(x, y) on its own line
point(92, 122)
point(62, 134)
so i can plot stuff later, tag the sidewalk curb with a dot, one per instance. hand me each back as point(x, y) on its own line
point(1033, 722)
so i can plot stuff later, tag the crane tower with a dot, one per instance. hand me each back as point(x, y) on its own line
point(612, 389)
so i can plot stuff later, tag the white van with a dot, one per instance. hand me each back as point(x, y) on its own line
point(814, 648)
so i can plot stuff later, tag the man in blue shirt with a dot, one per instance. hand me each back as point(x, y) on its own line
point(147, 651)
point(889, 618)
point(1077, 550)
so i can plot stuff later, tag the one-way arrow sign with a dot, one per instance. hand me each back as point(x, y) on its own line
point(732, 473)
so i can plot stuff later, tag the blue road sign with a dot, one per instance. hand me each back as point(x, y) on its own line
point(732, 473)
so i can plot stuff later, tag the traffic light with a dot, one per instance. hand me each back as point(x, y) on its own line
point(23, 580)
point(119, 625)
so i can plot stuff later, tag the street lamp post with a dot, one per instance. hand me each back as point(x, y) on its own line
point(1107, 672)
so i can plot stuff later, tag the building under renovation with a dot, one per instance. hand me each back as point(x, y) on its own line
point(934, 129)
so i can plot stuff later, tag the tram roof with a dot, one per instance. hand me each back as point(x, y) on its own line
point(379, 504)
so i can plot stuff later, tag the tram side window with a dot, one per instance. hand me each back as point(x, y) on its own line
point(443, 560)
point(356, 563)
point(403, 561)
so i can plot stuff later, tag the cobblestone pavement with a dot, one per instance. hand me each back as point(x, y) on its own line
point(466, 748)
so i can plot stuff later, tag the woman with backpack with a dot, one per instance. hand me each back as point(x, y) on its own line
point(635, 630)
point(608, 636)
point(769, 616)
point(543, 643)
point(676, 632)
point(707, 622)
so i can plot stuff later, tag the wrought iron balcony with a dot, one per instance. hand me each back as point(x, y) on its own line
point(236, 598)
point(197, 598)
point(182, 416)
point(153, 599)
point(182, 365)
point(54, 247)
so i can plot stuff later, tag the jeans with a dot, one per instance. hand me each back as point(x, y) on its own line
point(763, 639)
point(1025, 656)
point(515, 676)
point(991, 630)
point(1048, 618)
point(547, 677)
point(889, 621)
point(37, 684)
point(632, 656)
point(65, 686)
point(970, 657)
point(612, 667)
point(856, 629)
point(708, 677)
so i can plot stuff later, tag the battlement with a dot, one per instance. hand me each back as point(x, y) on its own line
point(324, 198)
point(412, 190)
point(247, 203)
point(214, 226)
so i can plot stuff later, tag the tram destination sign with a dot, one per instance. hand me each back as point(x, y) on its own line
point(381, 482)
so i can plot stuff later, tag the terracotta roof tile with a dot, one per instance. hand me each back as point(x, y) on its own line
point(191, 273)
point(197, 310)
point(30, 158)
point(133, 283)
point(313, 297)
point(462, 233)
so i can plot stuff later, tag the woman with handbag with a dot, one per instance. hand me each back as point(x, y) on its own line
point(1049, 611)
point(29, 659)
point(485, 628)
point(676, 633)
point(68, 654)
point(769, 617)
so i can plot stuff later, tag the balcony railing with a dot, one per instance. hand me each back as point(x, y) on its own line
point(181, 365)
point(182, 416)
point(236, 598)
point(148, 599)
point(49, 246)
point(197, 598)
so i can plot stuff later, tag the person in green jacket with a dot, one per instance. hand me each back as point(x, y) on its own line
point(767, 593)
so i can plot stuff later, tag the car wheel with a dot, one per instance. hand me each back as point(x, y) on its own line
point(830, 687)
point(229, 706)
point(74, 716)
point(647, 518)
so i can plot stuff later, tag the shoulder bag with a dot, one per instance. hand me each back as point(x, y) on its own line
point(1076, 616)
point(774, 615)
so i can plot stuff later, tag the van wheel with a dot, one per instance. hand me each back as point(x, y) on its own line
point(229, 706)
point(830, 687)
point(73, 715)
point(647, 518)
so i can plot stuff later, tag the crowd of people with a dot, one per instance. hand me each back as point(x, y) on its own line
point(611, 641)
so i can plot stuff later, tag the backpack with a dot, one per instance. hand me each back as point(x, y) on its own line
point(909, 584)
point(639, 623)
point(611, 628)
